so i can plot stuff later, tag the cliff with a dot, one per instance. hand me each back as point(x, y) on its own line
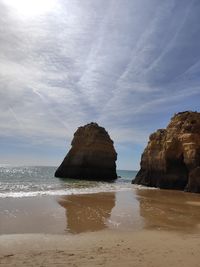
point(172, 157)
point(92, 156)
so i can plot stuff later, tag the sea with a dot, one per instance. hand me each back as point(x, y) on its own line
point(29, 181)
point(32, 200)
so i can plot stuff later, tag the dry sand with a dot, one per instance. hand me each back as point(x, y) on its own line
point(104, 248)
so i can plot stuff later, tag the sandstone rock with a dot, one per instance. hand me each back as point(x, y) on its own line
point(92, 156)
point(172, 157)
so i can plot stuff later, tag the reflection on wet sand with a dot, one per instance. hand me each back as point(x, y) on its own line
point(130, 210)
point(171, 210)
point(87, 212)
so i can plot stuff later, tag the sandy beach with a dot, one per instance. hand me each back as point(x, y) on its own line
point(129, 228)
point(104, 248)
point(99, 133)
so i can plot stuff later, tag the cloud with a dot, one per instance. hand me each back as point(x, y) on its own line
point(127, 64)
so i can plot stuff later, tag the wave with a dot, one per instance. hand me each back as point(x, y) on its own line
point(73, 191)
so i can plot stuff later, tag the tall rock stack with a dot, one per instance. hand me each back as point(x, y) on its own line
point(91, 157)
point(172, 157)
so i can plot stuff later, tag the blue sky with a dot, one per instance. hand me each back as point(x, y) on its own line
point(128, 65)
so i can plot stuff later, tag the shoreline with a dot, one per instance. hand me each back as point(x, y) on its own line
point(104, 248)
point(129, 228)
point(132, 210)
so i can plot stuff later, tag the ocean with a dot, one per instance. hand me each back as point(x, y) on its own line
point(29, 181)
point(32, 200)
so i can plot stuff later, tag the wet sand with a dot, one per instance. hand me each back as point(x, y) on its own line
point(130, 228)
point(70, 214)
point(132, 210)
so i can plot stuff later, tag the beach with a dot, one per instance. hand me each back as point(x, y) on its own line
point(143, 248)
point(136, 227)
point(99, 133)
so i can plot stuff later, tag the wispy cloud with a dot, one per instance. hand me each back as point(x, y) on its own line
point(127, 64)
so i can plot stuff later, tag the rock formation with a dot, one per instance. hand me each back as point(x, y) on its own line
point(92, 156)
point(171, 159)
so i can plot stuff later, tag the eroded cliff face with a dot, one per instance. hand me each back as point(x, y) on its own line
point(172, 157)
point(91, 157)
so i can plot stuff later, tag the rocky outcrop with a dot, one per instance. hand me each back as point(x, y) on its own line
point(171, 159)
point(92, 156)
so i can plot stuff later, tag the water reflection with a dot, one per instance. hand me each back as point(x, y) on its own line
point(132, 210)
point(171, 210)
point(89, 212)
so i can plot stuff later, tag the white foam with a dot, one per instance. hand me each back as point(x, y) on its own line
point(75, 191)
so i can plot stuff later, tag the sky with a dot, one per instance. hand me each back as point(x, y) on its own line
point(128, 65)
